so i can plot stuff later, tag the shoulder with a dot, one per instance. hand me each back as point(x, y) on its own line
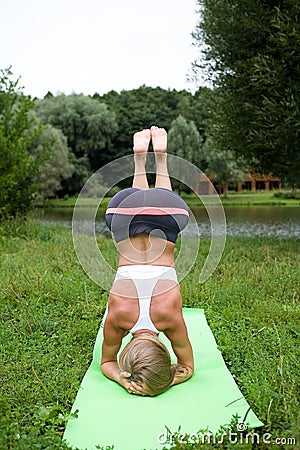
point(167, 307)
point(121, 310)
point(116, 308)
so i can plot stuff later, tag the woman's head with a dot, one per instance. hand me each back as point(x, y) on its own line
point(149, 362)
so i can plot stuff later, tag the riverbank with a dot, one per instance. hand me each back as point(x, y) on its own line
point(51, 312)
point(245, 198)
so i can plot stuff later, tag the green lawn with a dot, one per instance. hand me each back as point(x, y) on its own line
point(51, 311)
point(245, 198)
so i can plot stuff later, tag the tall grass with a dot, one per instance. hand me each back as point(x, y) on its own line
point(51, 312)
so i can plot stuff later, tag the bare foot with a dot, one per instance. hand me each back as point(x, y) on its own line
point(141, 141)
point(159, 139)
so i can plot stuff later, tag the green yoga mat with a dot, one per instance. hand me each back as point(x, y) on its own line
point(109, 416)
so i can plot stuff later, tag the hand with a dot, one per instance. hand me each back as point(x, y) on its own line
point(132, 387)
point(139, 388)
point(124, 381)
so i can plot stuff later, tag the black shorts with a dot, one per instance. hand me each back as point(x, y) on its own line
point(156, 211)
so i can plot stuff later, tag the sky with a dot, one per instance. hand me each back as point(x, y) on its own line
point(88, 46)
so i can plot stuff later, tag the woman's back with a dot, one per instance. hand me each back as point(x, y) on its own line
point(146, 249)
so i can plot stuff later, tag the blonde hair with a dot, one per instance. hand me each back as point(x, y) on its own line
point(149, 362)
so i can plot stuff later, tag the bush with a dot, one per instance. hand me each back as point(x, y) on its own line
point(18, 169)
point(290, 194)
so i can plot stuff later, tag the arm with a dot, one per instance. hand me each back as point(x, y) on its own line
point(177, 333)
point(111, 345)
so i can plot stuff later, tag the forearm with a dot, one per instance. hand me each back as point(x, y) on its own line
point(111, 370)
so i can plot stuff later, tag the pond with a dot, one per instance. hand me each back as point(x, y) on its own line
point(263, 221)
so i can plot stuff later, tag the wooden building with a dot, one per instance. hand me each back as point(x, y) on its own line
point(254, 182)
point(258, 182)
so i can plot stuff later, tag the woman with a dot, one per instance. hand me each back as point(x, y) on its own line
point(145, 298)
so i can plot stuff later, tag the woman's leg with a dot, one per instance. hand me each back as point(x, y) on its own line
point(159, 142)
point(141, 142)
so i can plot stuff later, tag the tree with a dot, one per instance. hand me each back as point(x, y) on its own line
point(223, 165)
point(58, 166)
point(137, 109)
point(184, 141)
point(251, 55)
point(18, 169)
point(146, 106)
point(89, 128)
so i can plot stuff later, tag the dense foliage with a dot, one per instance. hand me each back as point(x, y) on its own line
point(58, 165)
point(251, 54)
point(224, 166)
point(143, 107)
point(18, 168)
point(100, 129)
point(89, 128)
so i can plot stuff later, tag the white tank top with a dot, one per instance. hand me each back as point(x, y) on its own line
point(145, 278)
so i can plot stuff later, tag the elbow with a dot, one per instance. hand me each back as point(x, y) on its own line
point(188, 365)
point(103, 366)
point(190, 369)
point(101, 369)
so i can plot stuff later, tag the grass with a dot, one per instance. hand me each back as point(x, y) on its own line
point(69, 202)
point(51, 311)
point(248, 198)
point(244, 198)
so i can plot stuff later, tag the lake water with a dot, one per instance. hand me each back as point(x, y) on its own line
point(268, 221)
